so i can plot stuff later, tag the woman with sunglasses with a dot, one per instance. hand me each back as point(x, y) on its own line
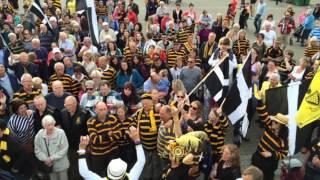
point(192, 120)
point(90, 98)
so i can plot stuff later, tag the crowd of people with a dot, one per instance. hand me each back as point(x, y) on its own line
point(121, 108)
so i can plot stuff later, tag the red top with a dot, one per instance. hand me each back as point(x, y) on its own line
point(132, 17)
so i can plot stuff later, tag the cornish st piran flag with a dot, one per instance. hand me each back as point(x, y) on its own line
point(218, 81)
point(36, 9)
point(235, 106)
point(287, 100)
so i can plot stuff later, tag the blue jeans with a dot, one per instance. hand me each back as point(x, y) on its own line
point(257, 22)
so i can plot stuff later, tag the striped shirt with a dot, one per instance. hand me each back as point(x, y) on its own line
point(124, 126)
point(172, 56)
point(109, 74)
point(22, 127)
point(102, 10)
point(183, 33)
point(315, 33)
point(187, 47)
point(310, 51)
point(240, 47)
point(129, 55)
point(57, 4)
point(216, 133)
point(269, 141)
point(101, 142)
point(164, 136)
point(16, 47)
point(148, 138)
point(69, 84)
point(27, 97)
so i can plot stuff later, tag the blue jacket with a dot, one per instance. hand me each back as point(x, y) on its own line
point(308, 22)
point(14, 82)
point(135, 78)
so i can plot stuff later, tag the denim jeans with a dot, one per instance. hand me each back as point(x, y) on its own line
point(257, 22)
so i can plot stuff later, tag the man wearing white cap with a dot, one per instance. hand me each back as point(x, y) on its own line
point(117, 167)
point(107, 31)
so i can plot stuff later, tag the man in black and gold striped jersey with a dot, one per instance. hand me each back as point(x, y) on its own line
point(183, 32)
point(69, 84)
point(15, 45)
point(273, 145)
point(108, 72)
point(27, 93)
point(126, 146)
point(189, 45)
point(104, 132)
point(207, 49)
point(216, 128)
point(130, 51)
point(148, 122)
point(174, 53)
point(169, 129)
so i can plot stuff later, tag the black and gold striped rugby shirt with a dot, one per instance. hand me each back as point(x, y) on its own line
point(101, 142)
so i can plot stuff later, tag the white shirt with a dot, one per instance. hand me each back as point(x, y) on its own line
point(269, 37)
point(232, 65)
point(147, 45)
point(104, 34)
point(92, 49)
point(134, 173)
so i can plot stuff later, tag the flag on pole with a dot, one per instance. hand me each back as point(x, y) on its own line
point(286, 100)
point(235, 106)
point(93, 22)
point(218, 81)
point(81, 5)
point(309, 110)
point(36, 9)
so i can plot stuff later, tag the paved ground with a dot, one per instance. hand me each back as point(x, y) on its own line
point(220, 6)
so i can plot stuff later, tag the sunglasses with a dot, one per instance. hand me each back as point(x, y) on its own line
point(194, 108)
point(89, 89)
point(180, 96)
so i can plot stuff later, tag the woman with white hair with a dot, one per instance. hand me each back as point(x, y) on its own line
point(96, 77)
point(90, 97)
point(51, 148)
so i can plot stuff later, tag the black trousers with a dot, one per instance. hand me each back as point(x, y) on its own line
point(99, 163)
point(73, 172)
point(128, 155)
point(267, 165)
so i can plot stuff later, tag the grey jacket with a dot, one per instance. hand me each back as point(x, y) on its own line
point(58, 148)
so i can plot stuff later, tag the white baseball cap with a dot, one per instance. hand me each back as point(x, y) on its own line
point(55, 50)
point(116, 169)
point(105, 24)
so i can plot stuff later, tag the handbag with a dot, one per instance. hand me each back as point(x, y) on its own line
point(42, 166)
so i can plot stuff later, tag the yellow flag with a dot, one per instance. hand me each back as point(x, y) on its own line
point(309, 110)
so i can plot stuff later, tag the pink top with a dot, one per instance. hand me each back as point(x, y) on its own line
point(301, 18)
point(190, 14)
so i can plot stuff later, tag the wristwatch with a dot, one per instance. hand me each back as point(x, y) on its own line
point(137, 142)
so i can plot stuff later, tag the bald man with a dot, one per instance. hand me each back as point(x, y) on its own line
point(57, 96)
point(104, 132)
point(27, 93)
point(42, 56)
point(88, 46)
point(23, 65)
point(42, 109)
point(69, 84)
point(74, 123)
